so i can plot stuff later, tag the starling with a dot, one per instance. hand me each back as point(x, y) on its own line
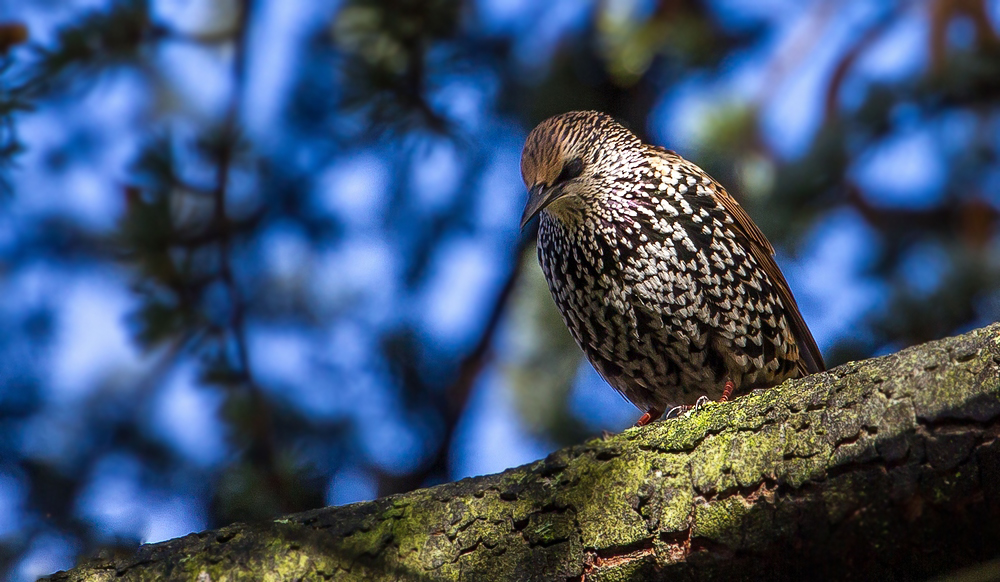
point(666, 284)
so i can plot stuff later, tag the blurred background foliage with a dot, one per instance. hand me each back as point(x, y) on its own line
point(261, 256)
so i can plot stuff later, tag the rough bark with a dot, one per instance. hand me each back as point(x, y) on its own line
point(884, 468)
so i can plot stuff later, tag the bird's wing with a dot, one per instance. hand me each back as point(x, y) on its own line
point(764, 253)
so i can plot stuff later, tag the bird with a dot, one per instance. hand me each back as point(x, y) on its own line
point(664, 281)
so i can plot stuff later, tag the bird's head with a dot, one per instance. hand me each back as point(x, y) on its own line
point(564, 155)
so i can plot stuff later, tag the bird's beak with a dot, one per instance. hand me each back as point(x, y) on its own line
point(538, 198)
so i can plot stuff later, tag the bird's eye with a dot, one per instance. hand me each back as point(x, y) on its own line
point(570, 170)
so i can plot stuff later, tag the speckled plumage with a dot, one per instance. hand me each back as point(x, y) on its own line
point(662, 278)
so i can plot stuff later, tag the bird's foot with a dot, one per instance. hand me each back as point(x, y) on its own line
point(678, 410)
point(650, 415)
point(684, 408)
point(727, 391)
point(653, 413)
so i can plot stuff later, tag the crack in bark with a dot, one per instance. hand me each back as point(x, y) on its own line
point(595, 560)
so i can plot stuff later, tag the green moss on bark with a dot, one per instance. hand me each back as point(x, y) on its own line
point(888, 467)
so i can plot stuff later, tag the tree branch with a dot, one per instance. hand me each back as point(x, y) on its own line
point(888, 467)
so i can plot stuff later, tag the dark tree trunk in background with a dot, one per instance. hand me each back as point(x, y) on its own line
point(887, 468)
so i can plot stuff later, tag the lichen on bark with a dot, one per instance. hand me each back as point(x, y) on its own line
point(888, 467)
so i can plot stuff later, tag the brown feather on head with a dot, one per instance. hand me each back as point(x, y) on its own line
point(563, 148)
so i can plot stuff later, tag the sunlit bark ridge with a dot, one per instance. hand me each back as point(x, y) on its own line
point(887, 468)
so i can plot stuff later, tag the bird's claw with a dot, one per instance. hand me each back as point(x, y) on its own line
point(677, 411)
